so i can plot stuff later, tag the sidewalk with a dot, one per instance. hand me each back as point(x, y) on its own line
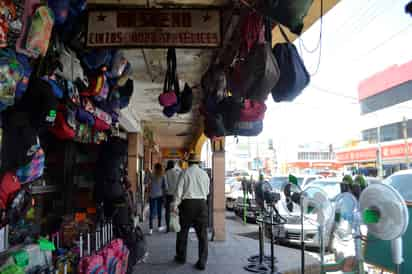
point(227, 257)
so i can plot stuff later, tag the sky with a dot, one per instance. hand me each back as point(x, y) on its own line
point(359, 39)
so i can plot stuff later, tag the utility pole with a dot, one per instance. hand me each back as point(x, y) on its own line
point(379, 154)
point(405, 136)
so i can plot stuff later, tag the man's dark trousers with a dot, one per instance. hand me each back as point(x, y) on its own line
point(193, 212)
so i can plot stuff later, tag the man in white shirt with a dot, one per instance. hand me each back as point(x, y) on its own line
point(191, 200)
point(171, 177)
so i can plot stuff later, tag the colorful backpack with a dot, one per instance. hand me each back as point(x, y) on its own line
point(16, 26)
point(252, 111)
point(23, 84)
point(60, 10)
point(7, 16)
point(39, 33)
point(34, 169)
point(29, 9)
point(62, 129)
point(11, 73)
point(97, 59)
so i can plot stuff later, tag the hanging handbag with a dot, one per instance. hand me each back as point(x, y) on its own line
point(286, 12)
point(186, 99)
point(259, 72)
point(294, 76)
point(171, 84)
point(252, 111)
point(248, 129)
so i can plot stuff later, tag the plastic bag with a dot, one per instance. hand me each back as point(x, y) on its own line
point(174, 222)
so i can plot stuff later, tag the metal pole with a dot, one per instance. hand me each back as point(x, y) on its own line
point(405, 136)
point(379, 156)
point(302, 241)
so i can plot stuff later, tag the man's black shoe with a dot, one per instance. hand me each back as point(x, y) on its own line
point(179, 260)
point(200, 266)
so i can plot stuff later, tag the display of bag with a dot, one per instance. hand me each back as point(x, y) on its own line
point(96, 85)
point(248, 129)
point(214, 82)
point(27, 70)
point(70, 68)
point(40, 102)
point(61, 129)
point(57, 90)
point(252, 111)
point(85, 117)
point(19, 139)
point(97, 59)
point(125, 92)
point(214, 126)
point(9, 186)
point(287, 13)
point(230, 108)
point(29, 9)
point(171, 90)
point(186, 100)
point(33, 170)
point(60, 10)
point(251, 30)
point(7, 16)
point(294, 76)
point(170, 111)
point(259, 73)
point(119, 64)
point(39, 32)
point(11, 73)
point(101, 125)
point(102, 115)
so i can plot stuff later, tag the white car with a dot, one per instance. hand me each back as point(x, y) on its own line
point(332, 187)
point(235, 192)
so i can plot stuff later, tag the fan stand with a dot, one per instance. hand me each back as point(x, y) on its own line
point(260, 266)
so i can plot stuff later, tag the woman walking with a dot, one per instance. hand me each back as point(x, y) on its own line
point(157, 188)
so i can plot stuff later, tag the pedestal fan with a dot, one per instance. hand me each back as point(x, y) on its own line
point(383, 210)
point(385, 213)
point(314, 207)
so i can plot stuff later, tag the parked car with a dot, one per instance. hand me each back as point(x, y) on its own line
point(229, 183)
point(332, 187)
point(402, 182)
point(234, 193)
point(278, 181)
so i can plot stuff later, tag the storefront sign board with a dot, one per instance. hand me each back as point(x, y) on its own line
point(154, 28)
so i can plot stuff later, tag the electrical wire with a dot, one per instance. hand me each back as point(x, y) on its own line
point(319, 45)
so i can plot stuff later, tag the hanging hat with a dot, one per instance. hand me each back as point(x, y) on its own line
point(193, 158)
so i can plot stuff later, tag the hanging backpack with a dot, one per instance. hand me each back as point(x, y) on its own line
point(230, 108)
point(70, 68)
point(11, 73)
point(169, 97)
point(9, 186)
point(62, 129)
point(97, 60)
point(260, 71)
point(186, 100)
point(85, 117)
point(294, 76)
point(15, 24)
point(57, 90)
point(250, 31)
point(7, 16)
point(119, 64)
point(27, 70)
point(214, 82)
point(29, 9)
point(214, 126)
point(126, 92)
point(170, 111)
point(60, 10)
point(287, 13)
point(33, 170)
point(247, 129)
point(39, 32)
point(96, 85)
point(252, 111)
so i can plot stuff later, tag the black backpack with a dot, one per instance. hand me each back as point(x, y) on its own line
point(186, 99)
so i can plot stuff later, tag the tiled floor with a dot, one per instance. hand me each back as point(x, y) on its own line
point(228, 257)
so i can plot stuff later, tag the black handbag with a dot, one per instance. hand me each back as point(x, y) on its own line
point(294, 77)
point(186, 99)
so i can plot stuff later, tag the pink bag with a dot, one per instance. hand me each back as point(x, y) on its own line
point(252, 111)
point(102, 115)
point(122, 253)
point(112, 259)
point(168, 99)
point(101, 125)
point(92, 264)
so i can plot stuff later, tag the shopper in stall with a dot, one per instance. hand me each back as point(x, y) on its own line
point(191, 203)
point(157, 187)
point(172, 174)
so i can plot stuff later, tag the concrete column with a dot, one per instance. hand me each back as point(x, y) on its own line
point(132, 159)
point(219, 207)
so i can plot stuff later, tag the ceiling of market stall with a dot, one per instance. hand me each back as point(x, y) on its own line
point(149, 69)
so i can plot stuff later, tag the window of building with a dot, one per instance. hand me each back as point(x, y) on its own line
point(391, 132)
